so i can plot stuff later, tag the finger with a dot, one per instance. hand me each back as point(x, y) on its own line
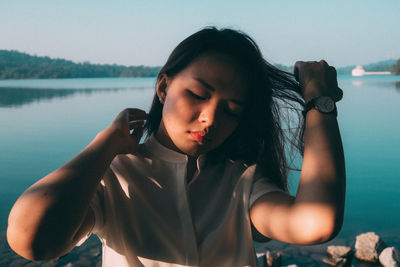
point(128, 112)
point(296, 73)
point(340, 96)
point(137, 120)
point(136, 124)
point(135, 111)
point(137, 114)
point(333, 70)
point(137, 133)
point(135, 128)
point(297, 67)
point(323, 62)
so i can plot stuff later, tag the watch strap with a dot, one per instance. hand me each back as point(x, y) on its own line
point(312, 104)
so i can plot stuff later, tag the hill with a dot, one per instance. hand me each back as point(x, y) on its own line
point(17, 65)
point(385, 65)
point(396, 68)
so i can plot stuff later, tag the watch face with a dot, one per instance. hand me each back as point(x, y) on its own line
point(325, 104)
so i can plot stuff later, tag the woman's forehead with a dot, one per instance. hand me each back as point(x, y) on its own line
point(218, 71)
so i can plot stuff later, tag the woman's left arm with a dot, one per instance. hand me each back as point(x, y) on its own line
point(315, 215)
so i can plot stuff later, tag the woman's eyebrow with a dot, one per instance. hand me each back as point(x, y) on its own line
point(237, 102)
point(205, 84)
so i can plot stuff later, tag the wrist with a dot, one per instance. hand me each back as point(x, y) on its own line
point(323, 104)
point(105, 141)
point(315, 89)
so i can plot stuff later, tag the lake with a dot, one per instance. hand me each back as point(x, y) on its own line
point(44, 123)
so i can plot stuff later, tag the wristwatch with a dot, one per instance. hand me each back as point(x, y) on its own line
point(323, 104)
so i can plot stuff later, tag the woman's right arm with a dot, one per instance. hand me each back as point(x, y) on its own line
point(52, 215)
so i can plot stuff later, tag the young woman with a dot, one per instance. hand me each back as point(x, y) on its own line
point(210, 177)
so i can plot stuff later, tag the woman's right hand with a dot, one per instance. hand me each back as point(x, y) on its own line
point(123, 140)
point(52, 215)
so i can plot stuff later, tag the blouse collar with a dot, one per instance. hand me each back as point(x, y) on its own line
point(160, 151)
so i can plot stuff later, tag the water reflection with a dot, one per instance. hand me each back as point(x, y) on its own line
point(381, 84)
point(357, 83)
point(16, 97)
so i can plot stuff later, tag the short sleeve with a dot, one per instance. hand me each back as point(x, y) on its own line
point(260, 187)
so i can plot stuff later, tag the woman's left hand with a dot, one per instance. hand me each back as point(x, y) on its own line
point(317, 79)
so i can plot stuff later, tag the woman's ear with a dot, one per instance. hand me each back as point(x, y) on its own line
point(162, 86)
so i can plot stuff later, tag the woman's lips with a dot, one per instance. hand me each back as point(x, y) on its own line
point(198, 136)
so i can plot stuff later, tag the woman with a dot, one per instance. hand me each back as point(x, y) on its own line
point(211, 176)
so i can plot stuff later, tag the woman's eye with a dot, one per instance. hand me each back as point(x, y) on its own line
point(233, 113)
point(197, 96)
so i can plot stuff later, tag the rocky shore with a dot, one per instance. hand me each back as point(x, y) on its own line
point(368, 249)
point(331, 253)
point(88, 254)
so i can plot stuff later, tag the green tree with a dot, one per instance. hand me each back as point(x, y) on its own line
point(396, 68)
point(17, 65)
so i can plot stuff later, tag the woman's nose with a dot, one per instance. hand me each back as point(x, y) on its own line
point(208, 116)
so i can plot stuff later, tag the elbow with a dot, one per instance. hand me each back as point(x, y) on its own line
point(21, 244)
point(29, 245)
point(29, 248)
point(332, 231)
point(320, 227)
point(33, 238)
point(20, 236)
point(322, 235)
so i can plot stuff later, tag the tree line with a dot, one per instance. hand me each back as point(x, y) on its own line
point(17, 65)
point(396, 68)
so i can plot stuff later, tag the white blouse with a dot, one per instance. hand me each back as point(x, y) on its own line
point(146, 214)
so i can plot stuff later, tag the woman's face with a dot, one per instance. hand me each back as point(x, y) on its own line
point(203, 104)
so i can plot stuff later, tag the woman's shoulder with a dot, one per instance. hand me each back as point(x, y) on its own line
point(235, 167)
point(140, 155)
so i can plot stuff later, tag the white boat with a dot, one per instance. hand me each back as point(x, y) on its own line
point(358, 71)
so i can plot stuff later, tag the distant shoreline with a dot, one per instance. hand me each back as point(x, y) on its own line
point(71, 78)
point(15, 65)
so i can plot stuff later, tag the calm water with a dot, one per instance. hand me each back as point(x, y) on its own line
point(43, 123)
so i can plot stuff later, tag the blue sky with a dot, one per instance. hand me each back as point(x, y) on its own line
point(145, 32)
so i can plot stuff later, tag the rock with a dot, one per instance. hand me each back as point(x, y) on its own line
point(316, 257)
point(304, 253)
point(338, 251)
point(368, 247)
point(18, 263)
point(273, 258)
point(49, 263)
point(390, 257)
point(338, 261)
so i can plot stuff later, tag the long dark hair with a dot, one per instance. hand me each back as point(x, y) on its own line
point(265, 130)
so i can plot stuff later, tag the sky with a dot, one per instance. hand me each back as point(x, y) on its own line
point(133, 32)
